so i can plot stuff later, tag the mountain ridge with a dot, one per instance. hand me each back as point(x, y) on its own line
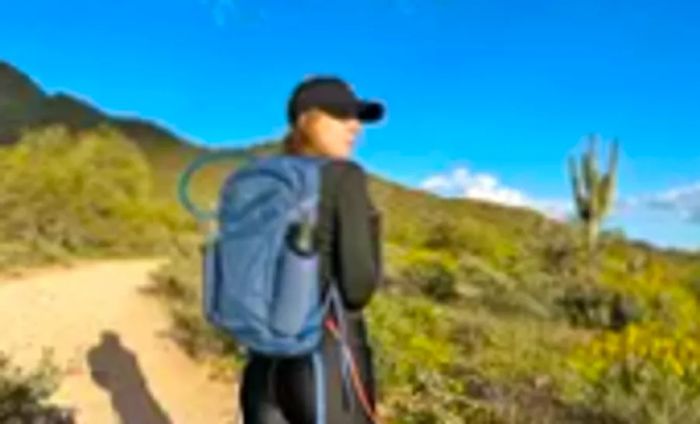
point(24, 104)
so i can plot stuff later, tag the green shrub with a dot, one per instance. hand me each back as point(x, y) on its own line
point(444, 235)
point(502, 294)
point(647, 373)
point(434, 275)
point(65, 194)
point(411, 338)
point(24, 395)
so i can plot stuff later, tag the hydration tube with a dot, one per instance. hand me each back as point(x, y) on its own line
point(194, 166)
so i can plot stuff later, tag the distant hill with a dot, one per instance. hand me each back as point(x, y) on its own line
point(25, 105)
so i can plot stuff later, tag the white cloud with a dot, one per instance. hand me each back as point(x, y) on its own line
point(461, 182)
point(487, 187)
point(436, 183)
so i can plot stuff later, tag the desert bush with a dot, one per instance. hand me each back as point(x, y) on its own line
point(443, 234)
point(411, 340)
point(503, 294)
point(65, 194)
point(598, 308)
point(433, 274)
point(437, 364)
point(24, 395)
point(528, 351)
point(647, 373)
point(519, 403)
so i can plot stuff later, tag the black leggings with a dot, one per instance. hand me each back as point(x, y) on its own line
point(282, 391)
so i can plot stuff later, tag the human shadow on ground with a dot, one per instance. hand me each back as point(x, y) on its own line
point(116, 370)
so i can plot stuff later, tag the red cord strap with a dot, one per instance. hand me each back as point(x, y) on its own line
point(356, 380)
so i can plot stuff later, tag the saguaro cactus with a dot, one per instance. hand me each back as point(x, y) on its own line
point(593, 192)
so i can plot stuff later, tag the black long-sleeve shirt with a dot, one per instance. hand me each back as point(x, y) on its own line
point(349, 237)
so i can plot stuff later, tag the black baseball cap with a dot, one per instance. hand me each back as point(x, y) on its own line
point(333, 96)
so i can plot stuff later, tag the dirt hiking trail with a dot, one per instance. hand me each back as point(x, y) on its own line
point(96, 318)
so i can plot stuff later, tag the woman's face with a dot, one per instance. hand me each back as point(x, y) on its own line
point(330, 136)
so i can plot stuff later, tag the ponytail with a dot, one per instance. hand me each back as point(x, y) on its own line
point(296, 141)
point(289, 145)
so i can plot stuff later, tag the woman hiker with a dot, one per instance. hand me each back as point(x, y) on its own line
point(325, 118)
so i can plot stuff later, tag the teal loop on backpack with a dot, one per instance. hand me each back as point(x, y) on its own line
point(194, 166)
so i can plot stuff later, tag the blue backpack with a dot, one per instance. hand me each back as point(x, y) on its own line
point(261, 274)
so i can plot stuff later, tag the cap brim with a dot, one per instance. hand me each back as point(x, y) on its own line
point(364, 111)
point(370, 111)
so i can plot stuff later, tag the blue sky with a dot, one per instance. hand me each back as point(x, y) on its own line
point(485, 98)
